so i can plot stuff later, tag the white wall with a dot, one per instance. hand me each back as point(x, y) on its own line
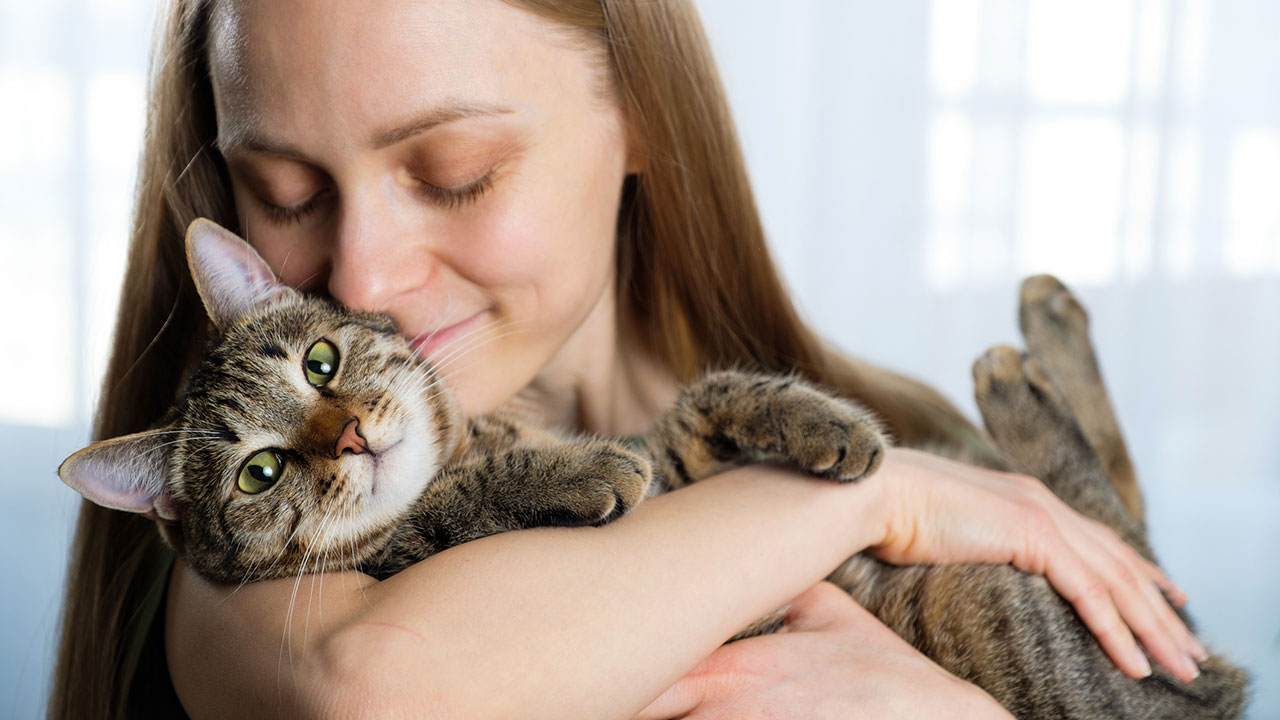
point(913, 160)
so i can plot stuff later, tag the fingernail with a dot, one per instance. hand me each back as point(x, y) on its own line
point(1143, 665)
point(1192, 667)
point(1197, 649)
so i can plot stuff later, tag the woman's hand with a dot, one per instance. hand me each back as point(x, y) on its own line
point(832, 659)
point(941, 511)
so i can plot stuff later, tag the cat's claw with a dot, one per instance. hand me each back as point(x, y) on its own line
point(607, 486)
point(827, 436)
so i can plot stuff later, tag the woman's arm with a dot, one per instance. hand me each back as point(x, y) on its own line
point(559, 623)
point(597, 622)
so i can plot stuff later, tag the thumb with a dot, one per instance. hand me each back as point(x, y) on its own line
point(685, 696)
point(823, 607)
point(677, 702)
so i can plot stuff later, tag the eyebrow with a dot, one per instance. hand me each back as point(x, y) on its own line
point(249, 140)
point(433, 117)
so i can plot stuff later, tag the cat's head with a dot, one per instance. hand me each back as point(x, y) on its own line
point(303, 437)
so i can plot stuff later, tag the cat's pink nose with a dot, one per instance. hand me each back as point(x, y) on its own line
point(350, 439)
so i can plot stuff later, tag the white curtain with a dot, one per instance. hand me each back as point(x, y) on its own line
point(913, 161)
point(72, 78)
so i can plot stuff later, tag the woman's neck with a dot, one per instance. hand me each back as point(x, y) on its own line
point(601, 381)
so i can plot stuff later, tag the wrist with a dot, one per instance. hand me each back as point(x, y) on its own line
point(884, 523)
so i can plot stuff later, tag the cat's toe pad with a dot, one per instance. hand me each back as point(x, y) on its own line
point(1013, 390)
point(613, 482)
point(834, 442)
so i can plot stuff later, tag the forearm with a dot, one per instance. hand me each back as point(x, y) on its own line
point(587, 622)
point(595, 623)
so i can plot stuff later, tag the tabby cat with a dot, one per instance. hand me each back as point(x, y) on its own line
point(311, 438)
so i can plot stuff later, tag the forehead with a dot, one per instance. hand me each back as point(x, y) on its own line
point(318, 68)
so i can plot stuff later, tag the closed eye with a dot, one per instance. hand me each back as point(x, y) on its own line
point(457, 197)
point(292, 214)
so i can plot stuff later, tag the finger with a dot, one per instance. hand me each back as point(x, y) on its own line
point(1140, 604)
point(1174, 625)
point(1091, 598)
point(1138, 612)
point(1191, 652)
point(1148, 578)
point(1174, 594)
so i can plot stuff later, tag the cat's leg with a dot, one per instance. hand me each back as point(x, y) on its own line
point(565, 484)
point(729, 417)
point(1028, 417)
point(1056, 329)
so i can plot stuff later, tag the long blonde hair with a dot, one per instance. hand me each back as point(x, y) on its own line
point(695, 279)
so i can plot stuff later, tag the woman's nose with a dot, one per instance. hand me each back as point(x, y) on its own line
point(373, 258)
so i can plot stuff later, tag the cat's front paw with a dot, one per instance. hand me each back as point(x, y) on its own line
point(783, 415)
point(595, 483)
point(827, 436)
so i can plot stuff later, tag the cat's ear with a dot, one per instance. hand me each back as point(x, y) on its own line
point(126, 473)
point(230, 276)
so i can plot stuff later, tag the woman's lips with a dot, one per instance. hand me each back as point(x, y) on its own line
point(432, 345)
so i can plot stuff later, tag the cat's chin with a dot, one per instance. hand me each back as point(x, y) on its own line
point(384, 465)
point(398, 476)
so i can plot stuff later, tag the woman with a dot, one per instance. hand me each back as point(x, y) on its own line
point(562, 180)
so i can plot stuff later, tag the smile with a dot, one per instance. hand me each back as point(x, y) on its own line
point(431, 345)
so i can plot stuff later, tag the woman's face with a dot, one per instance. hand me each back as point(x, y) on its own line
point(455, 163)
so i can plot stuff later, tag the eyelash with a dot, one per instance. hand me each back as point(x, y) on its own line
point(458, 197)
point(292, 214)
point(450, 198)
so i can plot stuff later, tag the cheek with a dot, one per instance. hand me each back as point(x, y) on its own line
point(290, 255)
point(551, 229)
point(538, 261)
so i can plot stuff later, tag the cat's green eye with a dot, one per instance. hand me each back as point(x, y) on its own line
point(321, 363)
point(261, 472)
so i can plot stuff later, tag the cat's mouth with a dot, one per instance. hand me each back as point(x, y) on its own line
point(380, 458)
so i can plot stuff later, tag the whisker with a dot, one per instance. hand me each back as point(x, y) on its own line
point(461, 342)
point(303, 282)
point(194, 156)
point(293, 599)
point(448, 306)
point(279, 554)
point(163, 445)
point(154, 338)
point(454, 371)
point(287, 255)
point(444, 352)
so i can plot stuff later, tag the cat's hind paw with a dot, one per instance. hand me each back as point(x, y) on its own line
point(1047, 307)
point(1024, 410)
point(1013, 389)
